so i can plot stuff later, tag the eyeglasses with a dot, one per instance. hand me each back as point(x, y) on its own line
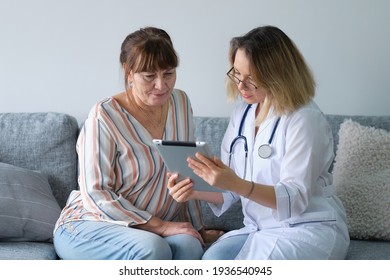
point(237, 81)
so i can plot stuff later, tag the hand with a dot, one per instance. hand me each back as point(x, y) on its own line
point(214, 172)
point(173, 228)
point(211, 235)
point(167, 228)
point(182, 191)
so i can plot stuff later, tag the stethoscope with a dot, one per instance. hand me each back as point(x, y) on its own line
point(264, 151)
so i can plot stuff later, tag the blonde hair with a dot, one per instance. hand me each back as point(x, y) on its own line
point(276, 65)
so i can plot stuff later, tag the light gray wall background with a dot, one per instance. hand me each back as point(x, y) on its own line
point(63, 55)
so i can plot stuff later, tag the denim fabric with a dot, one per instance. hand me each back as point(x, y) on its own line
point(91, 240)
point(226, 249)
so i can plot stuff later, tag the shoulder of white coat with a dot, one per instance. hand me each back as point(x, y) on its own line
point(308, 113)
point(239, 108)
point(309, 119)
point(237, 112)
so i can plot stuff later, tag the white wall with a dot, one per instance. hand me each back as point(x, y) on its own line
point(63, 55)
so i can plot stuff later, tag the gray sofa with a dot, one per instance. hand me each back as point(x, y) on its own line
point(46, 142)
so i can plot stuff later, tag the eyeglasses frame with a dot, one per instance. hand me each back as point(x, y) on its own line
point(237, 81)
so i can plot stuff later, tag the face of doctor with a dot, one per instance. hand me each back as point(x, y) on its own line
point(242, 71)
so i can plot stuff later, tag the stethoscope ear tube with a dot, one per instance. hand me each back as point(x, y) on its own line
point(264, 151)
point(240, 136)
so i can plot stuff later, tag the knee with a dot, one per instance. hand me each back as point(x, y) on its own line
point(211, 255)
point(193, 245)
point(185, 247)
point(154, 248)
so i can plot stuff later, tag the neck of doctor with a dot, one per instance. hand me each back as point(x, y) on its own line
point(258, 108)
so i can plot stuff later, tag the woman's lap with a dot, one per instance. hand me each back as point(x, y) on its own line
point(300, 243)
point(102, 240)
point(225, 249)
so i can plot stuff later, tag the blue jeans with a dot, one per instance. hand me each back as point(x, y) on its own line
point(92, 240)
point(226, 249)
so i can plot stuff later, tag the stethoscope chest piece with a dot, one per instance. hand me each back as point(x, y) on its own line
point(265, 151)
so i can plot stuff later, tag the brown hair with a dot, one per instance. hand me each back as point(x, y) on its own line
point(147, 50)
point(278, 66)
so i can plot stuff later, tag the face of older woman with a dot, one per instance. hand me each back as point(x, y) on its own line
point(153, 88)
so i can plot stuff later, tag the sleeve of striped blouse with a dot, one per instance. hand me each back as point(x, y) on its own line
point(97, 151)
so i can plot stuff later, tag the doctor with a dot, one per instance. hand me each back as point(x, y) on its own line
point(275, 158)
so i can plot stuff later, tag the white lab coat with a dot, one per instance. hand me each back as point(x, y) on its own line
point(308, 213)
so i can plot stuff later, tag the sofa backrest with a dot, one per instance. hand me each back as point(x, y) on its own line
point(382, 122)
point(212, 129)
point(44, 142)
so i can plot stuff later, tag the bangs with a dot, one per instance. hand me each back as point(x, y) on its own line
point(156, 55)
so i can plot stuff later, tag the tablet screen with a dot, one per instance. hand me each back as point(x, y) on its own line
point(175, 154)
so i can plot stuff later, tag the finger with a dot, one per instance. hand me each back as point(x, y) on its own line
point(183, 194)
point(200, 238)
point(197, 235)
point(194, 162)
point(200, 173)
point(205, 160)
point(172, 180)
point(177, 188)
point(218, 162)
point(187, 228)
point(202, 158)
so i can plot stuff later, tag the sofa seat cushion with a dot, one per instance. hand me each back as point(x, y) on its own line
point(368, 250)
point(27, 251)
point(230, 220)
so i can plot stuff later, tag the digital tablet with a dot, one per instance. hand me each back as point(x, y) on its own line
point(175, 154)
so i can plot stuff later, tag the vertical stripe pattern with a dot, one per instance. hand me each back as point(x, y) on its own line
point(122, 178)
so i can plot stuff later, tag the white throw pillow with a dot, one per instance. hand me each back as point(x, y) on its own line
point(362, 179)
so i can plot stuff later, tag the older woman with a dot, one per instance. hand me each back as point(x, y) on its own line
point(123, 209)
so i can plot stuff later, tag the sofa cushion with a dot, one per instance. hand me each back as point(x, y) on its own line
point(361, 179)
point(212, 131)
point(368, 250)
point(230, 220)
point(44, 142)
point(27, 251)
point(28, 209)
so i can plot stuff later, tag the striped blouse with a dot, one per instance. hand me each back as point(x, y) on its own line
point(122, 178)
